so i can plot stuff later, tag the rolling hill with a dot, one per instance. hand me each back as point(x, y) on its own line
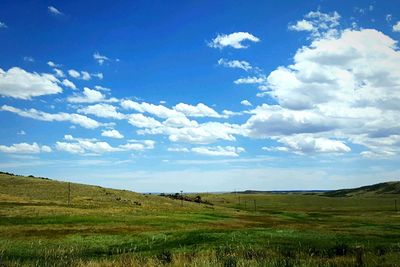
point(375, 189)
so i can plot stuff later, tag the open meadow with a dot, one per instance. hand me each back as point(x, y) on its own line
point(106, 227)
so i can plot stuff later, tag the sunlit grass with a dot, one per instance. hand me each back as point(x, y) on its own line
point(105, 227)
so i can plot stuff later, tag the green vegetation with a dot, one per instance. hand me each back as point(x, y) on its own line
point(106, 227)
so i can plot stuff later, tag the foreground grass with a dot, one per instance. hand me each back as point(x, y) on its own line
point(105, 227)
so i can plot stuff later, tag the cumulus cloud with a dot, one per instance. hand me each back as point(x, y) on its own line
point(81, 146)
point(302, 25)
point(199, 110)
point(157, 110)
point(2, 25)
point(84, 75)
point(54, 11)
point(74, 73)
point(233, 40)
point(62, 116)
point(89, 96)
point(59, 73)
point(24, 148)
point(18, 83)
point(396, 27)
point(53, 65)
point(301, 144)
point(319, 24)
point(204, 133)
point(112, 134)
point(239, 64)
point(69, 84)
point(141, 121)
point(339, 89)
point(245, 102)
point(102, 111)
point(227, 151)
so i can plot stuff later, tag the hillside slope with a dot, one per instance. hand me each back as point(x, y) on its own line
point(376, 189)
point(28, 190)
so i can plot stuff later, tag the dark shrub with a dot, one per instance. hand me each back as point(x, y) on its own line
point(165, 257)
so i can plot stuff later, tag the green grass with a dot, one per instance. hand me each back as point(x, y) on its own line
point(106, 227)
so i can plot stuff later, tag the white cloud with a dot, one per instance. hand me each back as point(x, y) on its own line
point(227, 151)
point(178, 149)
point(72, 148)
point(234, 40)
point(44, 116)
point(251, 80)
point(396, 27)
point(180, 121)
point(85, 75)
point(89, 96)
point(204, 133)
point(54, 10)
point(101, 88)
point(141, 121)
point(69, 84)
point(82, 145)
point(59, 73)
point(18, 83)
point(102, 111)
point(100, 58)
point(302, 25)
point(229, 113)
point(112, 134)
point(24, 148)
point(53, 65)
point(308, 144)
point(3, 25)
point(269, 121)
point(200, 110)
point(138, 145)
point(318, 24)
point(157, 110)
point(338, 88)
point(46, 149)
point(245, 102)
point(99, 75)
point(74, 73)
point(388, 17)
point(22, 132)
point(239, 64)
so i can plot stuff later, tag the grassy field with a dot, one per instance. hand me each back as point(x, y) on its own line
point(106, 227)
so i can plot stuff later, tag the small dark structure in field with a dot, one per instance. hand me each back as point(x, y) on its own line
point(178, 196)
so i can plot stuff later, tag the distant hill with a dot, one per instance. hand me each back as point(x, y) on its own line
point(376, 189)
point(20, 189)
point(281, 192)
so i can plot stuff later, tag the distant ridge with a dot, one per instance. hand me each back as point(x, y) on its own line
point(375, 189)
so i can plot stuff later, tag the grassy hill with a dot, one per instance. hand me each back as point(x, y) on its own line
point(107, 227)
point(369, 190)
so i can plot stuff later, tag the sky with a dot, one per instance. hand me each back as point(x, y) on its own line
point(200, 96)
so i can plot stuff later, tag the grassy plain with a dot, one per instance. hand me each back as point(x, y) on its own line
point(106, 227)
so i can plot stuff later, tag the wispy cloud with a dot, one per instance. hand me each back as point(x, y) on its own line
point(53, 10)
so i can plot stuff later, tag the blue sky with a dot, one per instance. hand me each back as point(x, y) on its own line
point(159, 96)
